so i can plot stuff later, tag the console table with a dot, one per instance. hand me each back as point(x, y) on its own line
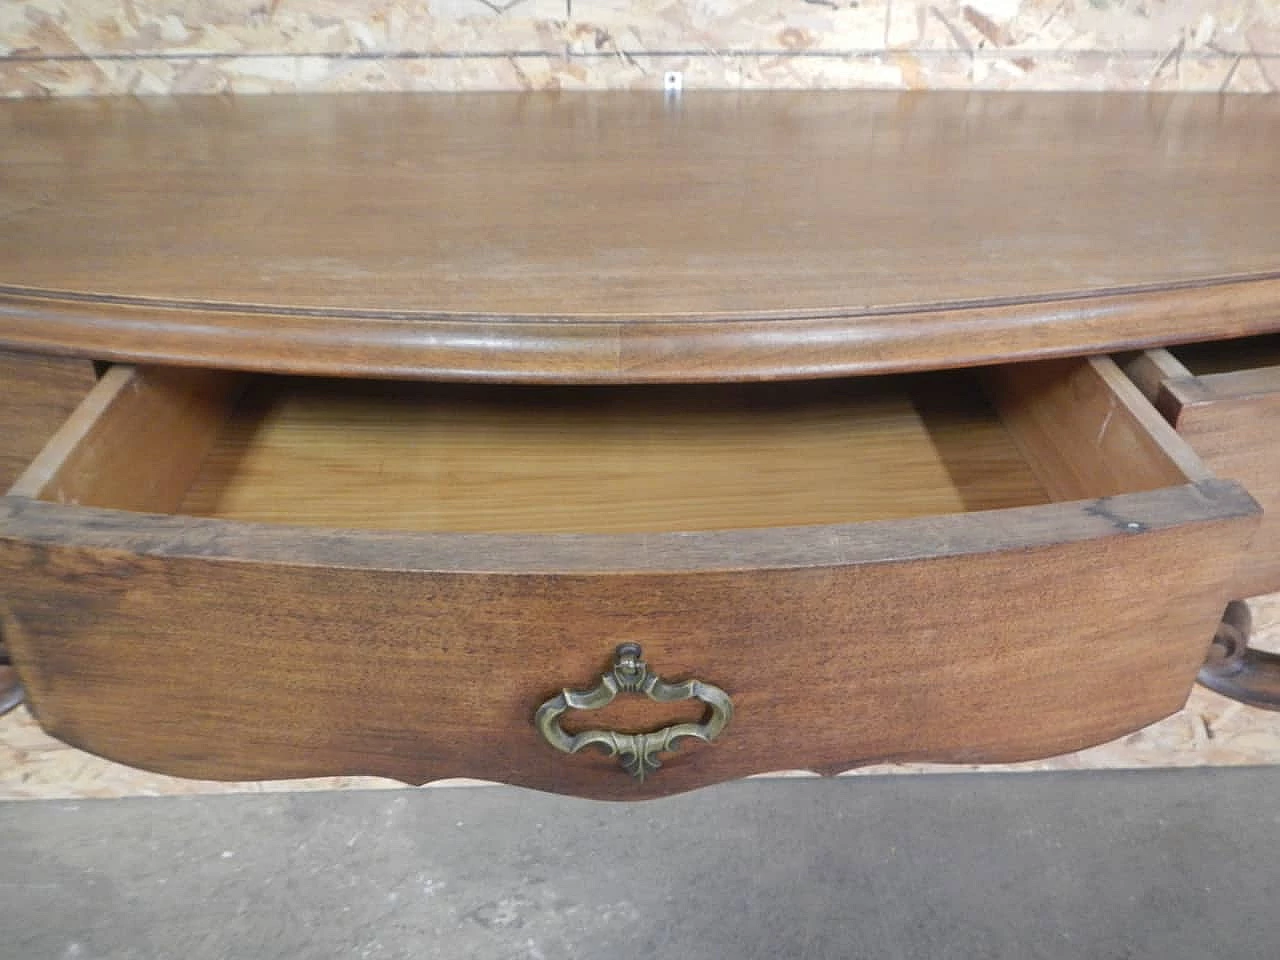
point(614, 444)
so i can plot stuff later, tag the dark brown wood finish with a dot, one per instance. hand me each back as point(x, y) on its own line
point(206, 649)
point(619, 237)
point(36, 395)
point(215, 648)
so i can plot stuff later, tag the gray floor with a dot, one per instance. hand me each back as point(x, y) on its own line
point(1167, 865)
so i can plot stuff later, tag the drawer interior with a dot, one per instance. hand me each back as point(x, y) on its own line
point(463, 457)
point(505, 459)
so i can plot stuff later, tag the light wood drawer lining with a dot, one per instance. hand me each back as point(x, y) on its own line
point(462, 458)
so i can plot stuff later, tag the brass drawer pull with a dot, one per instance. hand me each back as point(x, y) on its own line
point(636, 752)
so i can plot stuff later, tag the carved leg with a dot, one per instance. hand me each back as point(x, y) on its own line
point(1235, 670)
point(10, 688)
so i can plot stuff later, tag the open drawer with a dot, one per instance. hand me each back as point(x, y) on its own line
point(1224, 399)
point(226, 577)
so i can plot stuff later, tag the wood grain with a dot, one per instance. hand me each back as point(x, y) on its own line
point(217, 648)
point(1149, 369)
point(212, 649)
point(1233, 422)
point(1087, 431)
point(1224, 399)
point(38, 393)
point(609, 459)
point(612, 237)
point(135, 443)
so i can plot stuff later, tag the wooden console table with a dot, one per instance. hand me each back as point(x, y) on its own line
point(617, 445)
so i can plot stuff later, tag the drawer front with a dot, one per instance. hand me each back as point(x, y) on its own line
point(207, 653)
point(38, 393)
point(1231, 417)
point(219, 648)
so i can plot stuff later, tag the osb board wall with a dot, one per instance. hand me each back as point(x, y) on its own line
point(69, 47)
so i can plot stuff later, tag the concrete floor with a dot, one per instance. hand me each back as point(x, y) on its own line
point(1147, 864)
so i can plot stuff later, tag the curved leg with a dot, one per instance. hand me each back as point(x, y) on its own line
point(10, 688)
point(1235, 670)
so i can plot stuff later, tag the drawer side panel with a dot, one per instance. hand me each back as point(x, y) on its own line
point(1233, 421)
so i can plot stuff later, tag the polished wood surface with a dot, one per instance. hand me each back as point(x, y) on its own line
point(1232, 419)
point(218, 648)
point(618, 236)
point(36, 395)
point(610, 459)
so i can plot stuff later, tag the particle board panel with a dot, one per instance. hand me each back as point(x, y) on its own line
point(216, 47)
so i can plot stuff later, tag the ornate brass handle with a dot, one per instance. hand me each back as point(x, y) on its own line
point(636, 752)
